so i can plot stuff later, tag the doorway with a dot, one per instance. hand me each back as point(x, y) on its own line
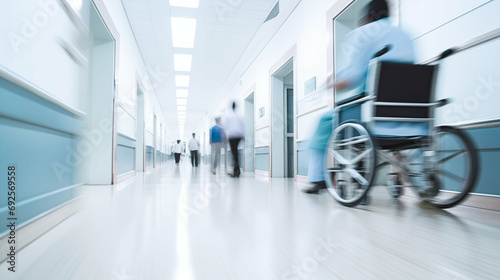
point(155, 142)
point(101, 167)
point(140, 163)
point(249, 132)
point(282, 132)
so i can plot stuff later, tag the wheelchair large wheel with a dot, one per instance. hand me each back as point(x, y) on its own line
point(350, 163)
point(452, 171)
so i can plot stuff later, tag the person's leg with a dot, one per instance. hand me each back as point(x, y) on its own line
point(236, 158)
point(212, 155)
point(216, 156)
point(233, 143)
point(192, 158)
point(315, 171)
point(196, 158)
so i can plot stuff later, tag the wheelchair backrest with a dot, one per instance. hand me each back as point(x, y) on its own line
point(403, 83)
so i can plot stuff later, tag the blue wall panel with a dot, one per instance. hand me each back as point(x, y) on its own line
point(149, 156)
point(487, 181)
point(41, 140)
point(125, 154)
point(486, 141)
point(302, 158)
point(262, 158)
point(302, 162)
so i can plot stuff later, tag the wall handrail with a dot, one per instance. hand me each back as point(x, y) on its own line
point(479, 40)
point(22, 82)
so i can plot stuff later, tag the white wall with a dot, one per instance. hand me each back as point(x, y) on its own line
point(34, 35)
point(47, 48)
point(131, 68)
point(307, 27)
point(470, 78)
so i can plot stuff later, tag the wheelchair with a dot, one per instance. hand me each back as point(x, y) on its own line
point(397, 128)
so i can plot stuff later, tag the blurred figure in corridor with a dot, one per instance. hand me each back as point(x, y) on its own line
point(194, 146)
point(177, 151)
point(217, 138)
point(234, 127)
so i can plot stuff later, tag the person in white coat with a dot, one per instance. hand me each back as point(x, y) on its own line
point(194, 146)
point(234, 126)
point(178, 151)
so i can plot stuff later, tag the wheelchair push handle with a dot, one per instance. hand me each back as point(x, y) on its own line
point(385, 49)
point(443, 102)
point(447, 53)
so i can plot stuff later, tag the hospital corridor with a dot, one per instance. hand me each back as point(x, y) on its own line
point(249, 139)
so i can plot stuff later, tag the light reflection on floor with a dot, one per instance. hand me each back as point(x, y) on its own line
point(184, 224)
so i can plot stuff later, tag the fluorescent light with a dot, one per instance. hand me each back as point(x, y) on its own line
point(181, 113)
point(185, 3)
point(182, 62)
point(181, 108)
point(182, 80)
point(183, 32)
point(182, 93)
point(182, 101)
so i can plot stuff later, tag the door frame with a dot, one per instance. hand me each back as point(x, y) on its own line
point(285, 92)
point(290, 54)
point(103, 12)
point(247, 94)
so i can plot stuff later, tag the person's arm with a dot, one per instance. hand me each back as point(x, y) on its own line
point(355, 49)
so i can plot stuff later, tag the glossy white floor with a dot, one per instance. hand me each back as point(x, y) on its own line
point(183, 223)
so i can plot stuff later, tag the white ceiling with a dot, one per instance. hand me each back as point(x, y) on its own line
point(224, 30)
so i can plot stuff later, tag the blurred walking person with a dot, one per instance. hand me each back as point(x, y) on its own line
point(234, 127)
point(217, 138)
point(177, 152)
point(194, 146)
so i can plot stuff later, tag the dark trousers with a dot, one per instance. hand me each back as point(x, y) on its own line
point(233, 143)
point(194, 158)
point(177, 157)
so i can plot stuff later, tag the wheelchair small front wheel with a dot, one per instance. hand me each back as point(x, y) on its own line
point(452, 173)
point(350, 163)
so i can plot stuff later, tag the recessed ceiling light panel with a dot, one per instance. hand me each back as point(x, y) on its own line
point(183, 32)
point(185, 3)
point(182, 62)
point(182, 80)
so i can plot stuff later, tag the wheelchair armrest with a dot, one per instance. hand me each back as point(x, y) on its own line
point(357, 99)
point(350, 99)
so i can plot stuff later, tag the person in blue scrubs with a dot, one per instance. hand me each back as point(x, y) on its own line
point(217, 138)
point(361, 45)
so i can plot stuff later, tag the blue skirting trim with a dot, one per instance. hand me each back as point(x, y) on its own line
point(40, 139)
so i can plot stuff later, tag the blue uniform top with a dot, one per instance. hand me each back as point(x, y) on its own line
point(364, 42)
point(360, 47)
point(216, 134)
